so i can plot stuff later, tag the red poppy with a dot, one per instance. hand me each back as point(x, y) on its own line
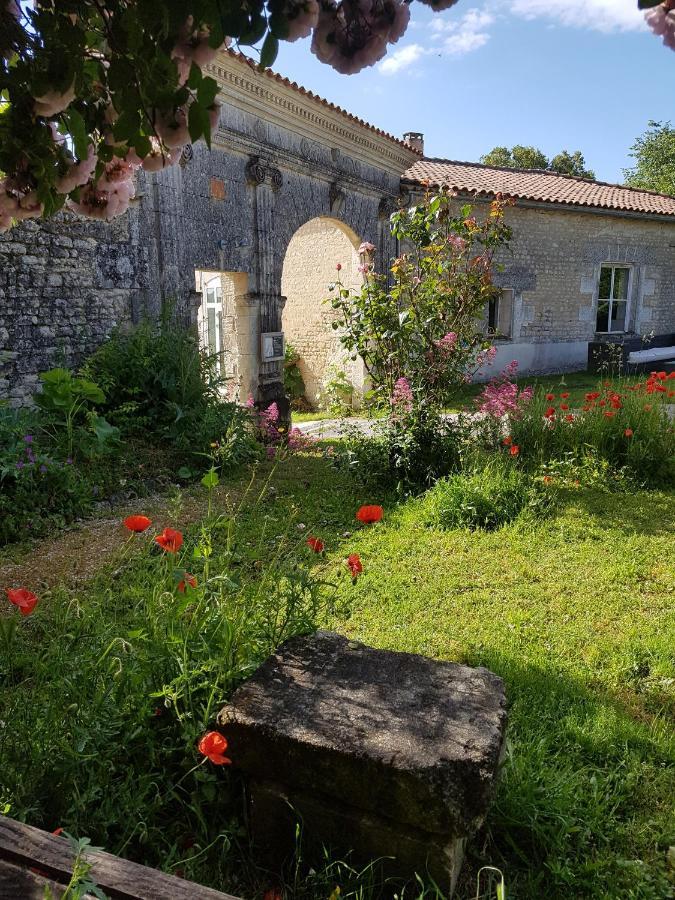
point(185, 581)
point(602, 403)
point(315, 544)
point(550, 413)
point(565, 395)
point(606, 383)
point(273, 894)
point(137, 523)
point(648, 407)
point(550, 396)
point(628, 432)
point(22, 598)
point(370, 514)
point(609, 413)
point(170, 540)
point(57, 831)
point(586, 408)
point(508, 440)
point(515, 450)
point(569, 418)
point(564, 406)
point(671, 375)
point(671, 393)
point(593, 395)
point(354, 564)
point(213, 745)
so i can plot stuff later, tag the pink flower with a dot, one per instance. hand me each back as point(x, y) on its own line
point(501, 396)
point(456, 242)
point(402, 395)
point(661, 20)
point(302, 17)
point(54, 102)
point(366, 247)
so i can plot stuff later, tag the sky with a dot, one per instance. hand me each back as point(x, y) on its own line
point(555, 74)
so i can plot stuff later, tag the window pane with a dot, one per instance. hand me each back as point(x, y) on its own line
point(621, 284)
point(619, 315)
point(603, 317)
point(212, 329)
point(605, 282)
point(493, 314)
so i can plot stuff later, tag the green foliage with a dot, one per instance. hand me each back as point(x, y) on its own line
point(424, 325)
point(294, 385)
point(337, 392)
point(160, 385)
point(519, 157)
point(487, 497)
point(654, 154)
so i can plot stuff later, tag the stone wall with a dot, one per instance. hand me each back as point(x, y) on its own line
point(309, 267)
point(64, 285)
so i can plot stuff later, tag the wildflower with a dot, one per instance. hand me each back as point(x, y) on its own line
point(586, 407)
point(564, 406)
point(402, 395)
point(370, 514)
point(457, 242)
point(569, 418)
point(213, 745)
point(628, 433)
point(170, 540)
point(23, 599)
point(315, 544)
point(187, 580)
point(508, 440)
point(367, 247)
point(515, 450)
point(550, 396)
point(609, 413)
point(592, 395)
point(354, 565)
point(28, 438)
point(57, 831)
point(565, 395)
point(339, 266)
point(137, 523)
point(550, 413)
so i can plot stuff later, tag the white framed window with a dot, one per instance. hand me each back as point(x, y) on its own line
point(213, 319)
point(500, 314)
point(613, 294)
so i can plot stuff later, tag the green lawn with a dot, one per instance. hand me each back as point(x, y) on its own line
point(574, 612)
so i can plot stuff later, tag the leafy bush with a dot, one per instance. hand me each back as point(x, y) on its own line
point(405, 453)
point(487, 497)
point(294, 384)
point(158, 383)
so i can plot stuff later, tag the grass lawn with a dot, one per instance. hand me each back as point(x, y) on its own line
point(574, 612)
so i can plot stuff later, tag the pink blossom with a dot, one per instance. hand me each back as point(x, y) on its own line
point(54, 102)
point(439, 5)
point(158, 159)
point(173, 129)
point(447, 342)
point(367, 247)
point(301, 17)
point(402, 395)
point(661, 20)
point(456, 242)
point(78, 174)
point(363, 269)
point(502, 396)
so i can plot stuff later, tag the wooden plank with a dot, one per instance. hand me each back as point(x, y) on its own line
point(29, 847)
point(18, 883)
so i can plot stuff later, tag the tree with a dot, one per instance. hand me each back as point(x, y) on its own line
point(654, 152)
point(519, 157)
point(571, 164)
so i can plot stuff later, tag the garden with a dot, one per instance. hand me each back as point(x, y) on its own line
point(161, 542)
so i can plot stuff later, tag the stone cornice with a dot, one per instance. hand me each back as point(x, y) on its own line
point(276, 101)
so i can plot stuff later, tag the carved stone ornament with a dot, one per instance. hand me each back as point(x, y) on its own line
point(276, 178)
point(386, 207)
point(336, 197)
point(255, 171)
point(186, 155)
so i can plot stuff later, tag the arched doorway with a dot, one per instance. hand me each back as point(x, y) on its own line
point(310, 266)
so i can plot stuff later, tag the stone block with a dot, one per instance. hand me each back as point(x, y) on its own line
point(389, 754)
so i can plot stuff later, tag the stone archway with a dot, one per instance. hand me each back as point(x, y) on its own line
point(309, 267)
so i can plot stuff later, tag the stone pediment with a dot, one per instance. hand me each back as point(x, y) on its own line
point(276, 100)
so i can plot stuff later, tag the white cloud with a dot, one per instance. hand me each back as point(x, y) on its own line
point(453, 37)
point(598, 15)
point(401, 59)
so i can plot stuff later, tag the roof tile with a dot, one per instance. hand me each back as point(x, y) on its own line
point(537, 185)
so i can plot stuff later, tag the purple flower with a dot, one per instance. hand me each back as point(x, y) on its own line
point(43, 468)
point(28, 438)
point(69, 461)
point(19, 465)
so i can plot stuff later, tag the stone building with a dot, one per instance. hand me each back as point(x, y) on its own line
point(244, 239)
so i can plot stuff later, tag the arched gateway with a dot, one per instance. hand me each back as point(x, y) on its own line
point(280, 158)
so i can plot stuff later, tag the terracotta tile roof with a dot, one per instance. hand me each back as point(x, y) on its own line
point(537, 185)
point(311, 96)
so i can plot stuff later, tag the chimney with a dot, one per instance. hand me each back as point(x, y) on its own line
point(415, 140)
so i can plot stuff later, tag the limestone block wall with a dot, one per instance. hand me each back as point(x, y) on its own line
point(64, 285)
point(309, 267)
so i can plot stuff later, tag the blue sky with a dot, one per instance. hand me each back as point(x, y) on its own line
point(575, 74)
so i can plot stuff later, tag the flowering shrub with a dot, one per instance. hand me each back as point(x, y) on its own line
point(626, 425)
point(420, 336)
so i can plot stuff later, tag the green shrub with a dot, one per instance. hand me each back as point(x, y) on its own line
point(487, 497)
point(159, 384)
point(294, 384)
